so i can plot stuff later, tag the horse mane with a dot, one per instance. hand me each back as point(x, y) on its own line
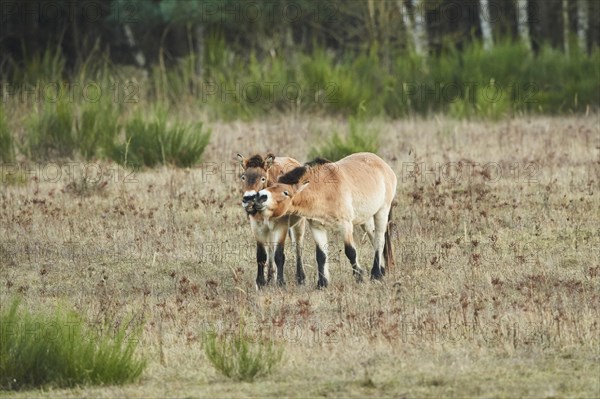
point(317, 161)
point(295, 175)
point(255, 161)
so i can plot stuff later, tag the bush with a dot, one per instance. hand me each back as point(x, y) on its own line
point(155, 142)
point(51, 134)
point(96, 128)
point(359, 139)
point(7, 145)
point(38, 350)
point(239, 358)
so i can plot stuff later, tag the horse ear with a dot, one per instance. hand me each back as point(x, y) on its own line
point(243, 161)
point(269, 161)
point(301, 186)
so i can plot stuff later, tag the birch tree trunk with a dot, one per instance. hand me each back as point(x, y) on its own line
point(414, 21)
point(582, 23)
point(523, 22)
point(565, 18)
point(486, 27)
point(411, 38)
point(199, 33)
point(421, 40)
point(138, 56)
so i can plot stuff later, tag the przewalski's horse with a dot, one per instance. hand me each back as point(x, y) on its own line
point(356, 190)
point(270, 234)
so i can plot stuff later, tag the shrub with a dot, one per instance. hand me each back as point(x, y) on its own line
point(239, 358)
point(40, 350)
point(359, 139)
point(41, 67)
point(50, 134)
point(155, 142)
point(96, 129)
point(7, 145)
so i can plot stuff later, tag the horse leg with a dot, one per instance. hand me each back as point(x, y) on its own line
point(261, 259)
point(270, 262)
point(369, 229)
point(279, 235)
point(279, 261)
point(350, 250)
point(320, 237)
point(297, 234)
point(380, 218)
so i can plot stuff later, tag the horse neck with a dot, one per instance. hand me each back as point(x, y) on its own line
point(306, 202)
point(273, 174)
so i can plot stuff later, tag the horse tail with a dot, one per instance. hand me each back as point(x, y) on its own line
point(388, 251)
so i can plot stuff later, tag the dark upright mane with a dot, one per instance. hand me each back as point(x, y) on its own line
point(317, 161)
point(255, 161)
point(293, 176)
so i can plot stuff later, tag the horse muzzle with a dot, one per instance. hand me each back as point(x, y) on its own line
point(260, 202)
point(248, 202)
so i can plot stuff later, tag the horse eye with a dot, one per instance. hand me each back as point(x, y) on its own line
point(243, 178)
point(263, 179)
point(286, 193)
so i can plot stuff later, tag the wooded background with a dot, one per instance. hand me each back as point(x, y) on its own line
point(138, 31)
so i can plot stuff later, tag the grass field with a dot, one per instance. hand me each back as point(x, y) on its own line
point(496, 292)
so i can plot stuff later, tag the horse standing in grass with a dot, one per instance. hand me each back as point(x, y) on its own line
point(270, 234)
point(356, 190)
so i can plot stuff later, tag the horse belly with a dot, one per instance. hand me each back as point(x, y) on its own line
point(365, 206)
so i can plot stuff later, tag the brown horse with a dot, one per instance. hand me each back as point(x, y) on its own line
point(259, 173)
point(357, 190)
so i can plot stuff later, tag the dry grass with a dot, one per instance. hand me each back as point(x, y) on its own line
point(496, 292)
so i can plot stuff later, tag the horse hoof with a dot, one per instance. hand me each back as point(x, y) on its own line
point(358, 275)
point(376, 276)
point(322, 283)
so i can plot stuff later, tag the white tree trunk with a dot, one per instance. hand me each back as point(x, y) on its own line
point(486, 27)
point(582, 23)
point(421, 40)
point(199, 33)
point(411, 38)
point(414, 21)
point(523, 22)
point(137, 55)
point(565, 15)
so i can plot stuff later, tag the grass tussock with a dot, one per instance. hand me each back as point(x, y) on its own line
point(50, 134)
point(240, 357)
point(154, 142)
point(360, 138)
point(97, 128)
point(38, 350)
point(7, 142)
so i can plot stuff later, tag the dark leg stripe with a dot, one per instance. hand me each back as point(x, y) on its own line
point(350, 253)
point(321, 257)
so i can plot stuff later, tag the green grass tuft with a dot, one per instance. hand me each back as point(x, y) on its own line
point(51, 133)
point(239, 358)
point(359, 139)
point(158, 142)
point(7, 144)
point(38, 350)
point(97, 128)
